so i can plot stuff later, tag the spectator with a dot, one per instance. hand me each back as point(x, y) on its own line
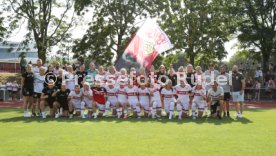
point(15, 89)
point(269, 76)
point(257, 87)
point(248, 89)
point(269, 89)
point(258, 74)
point(23, 64)
point(9, 88)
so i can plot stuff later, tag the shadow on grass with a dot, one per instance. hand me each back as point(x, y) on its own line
point(162, 120)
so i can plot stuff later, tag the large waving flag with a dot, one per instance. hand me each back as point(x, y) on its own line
point(149, 41)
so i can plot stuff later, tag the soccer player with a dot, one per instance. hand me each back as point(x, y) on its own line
point(99, 96)
point(39, 84)
point(199, 100)
point(87, 99)
point(62, 101)
point(112, 100)
point(183, 91)
point(38, 66)
point(155, 100)
point(27, 85)
point(132, 100)
point(48, 98)
point(60, 79)
point(75, 103)
point(238, 85)
point(226, 88)
point(215, 99)
point(101, 76)
point(144, 98)
point(91, 73)
point(122, 98)
point(81, 75)
point(70, 78)
point(169, 100)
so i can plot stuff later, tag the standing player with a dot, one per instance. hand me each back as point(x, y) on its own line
point(215, 99)
point(169, 100)
point(101, 76)
point(70, 78)
point(87, 99)
point(75, 103)
point(155, 100)
point(81, 75)
point(226, 88)
point(199, 100)
point(48, 98)
point(99, 95)
point(27, 85)
point(112, 100)
point(183, 91)
point(132, 100)
point(62, 101)
point(39, 84)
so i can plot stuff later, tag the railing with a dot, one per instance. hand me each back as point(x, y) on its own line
point(10, 67)
point(260, 94)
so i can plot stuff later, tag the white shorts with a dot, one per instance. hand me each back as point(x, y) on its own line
point(77, 105)
point(133, 103)
point(100, 107)
point(167, 106)
point(184, 103)
point(145, 105)
point(122, 101)
point(88, 103)
point(237, 97)
point(158, 102)
point(113, 101)
point(200, 105)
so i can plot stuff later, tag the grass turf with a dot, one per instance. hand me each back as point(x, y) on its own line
point(253, 135)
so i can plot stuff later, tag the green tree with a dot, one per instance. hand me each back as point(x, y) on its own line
point(43, 26)
point(258, 27)
point(197, 27)
point(113, 24)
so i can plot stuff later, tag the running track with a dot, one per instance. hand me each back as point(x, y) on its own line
point(250, 105)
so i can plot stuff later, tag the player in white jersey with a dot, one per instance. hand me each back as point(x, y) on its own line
point(39, 64)
point(169, 100)
point(155, 100)
point(87, 99)
point(70, 78)
point(101, 76)
point(123, 77)
point(215, 99)
point(144, 100)
point(75, 103)
point(183, 91)
point(112, 100)
point(132, 100)
point(122, 98)
point(199, 100)
point(39, 80)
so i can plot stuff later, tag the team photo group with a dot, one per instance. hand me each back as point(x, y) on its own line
point(68, 91)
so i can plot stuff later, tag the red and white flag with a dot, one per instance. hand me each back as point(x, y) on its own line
point(149, 41)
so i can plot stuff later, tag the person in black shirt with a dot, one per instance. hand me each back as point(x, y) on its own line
point(50, 75)
point(27, 85)
point(190, 75)
point(81, 75)
point(60, 78)
point(161, 75)
point(173, 77)
point(62, 101)
point(47, 98)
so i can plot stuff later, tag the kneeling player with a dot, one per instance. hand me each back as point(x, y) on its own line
point(99, 95)
point(183, 92)
point(62, 101)
point(111, 102)
point(75, 103)
point(87, 99)
point(169, 100)
point(144, 99)
point(47, 98)
point(155, 100)
point(122, 99)
point(215, 99)
point(132, 100)
point(198, 102)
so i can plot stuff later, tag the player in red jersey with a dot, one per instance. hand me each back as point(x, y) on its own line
point(99, 96)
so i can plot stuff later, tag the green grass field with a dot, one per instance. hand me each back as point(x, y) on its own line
point(253, 135)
